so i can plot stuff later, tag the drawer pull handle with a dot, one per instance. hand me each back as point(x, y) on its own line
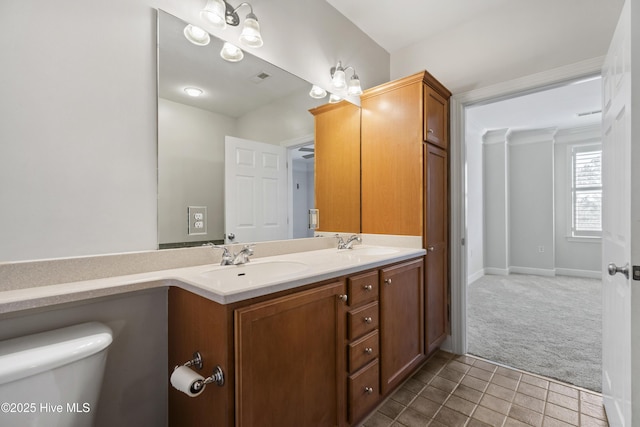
point(343, 298)
point(368, 350)
point(367, 287)
point(368, 390)
point(430, 131)
point(387, 281)
point(368, 320)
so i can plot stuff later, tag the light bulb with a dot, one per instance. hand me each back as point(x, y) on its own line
point(339, 78)
point(333, 99)
point(196, 35)
point(317, 92)
point(231, 52)
point(354, 86)
point(215, 12)
point(250, 35)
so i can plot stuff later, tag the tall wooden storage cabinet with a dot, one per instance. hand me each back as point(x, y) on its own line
point(337, 166)
point(405, 181)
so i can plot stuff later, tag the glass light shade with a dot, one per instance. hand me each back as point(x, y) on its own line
point(215, 12)
point(354, 86)
point(250, 35)
point(317, 92)
point(231, 53)
point(193, 91)
point(196, 35)
point(333, 99)
point(339, 79)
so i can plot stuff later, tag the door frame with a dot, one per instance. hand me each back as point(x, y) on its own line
point(291, 145)
point(457, 341)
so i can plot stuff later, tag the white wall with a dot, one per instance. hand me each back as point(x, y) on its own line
point(190, 169)
point(475, 203)
point(531, 210)
point(78, 168)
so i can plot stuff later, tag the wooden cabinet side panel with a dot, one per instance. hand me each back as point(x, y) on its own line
point(337, 168)
point(198, 324)
point(437, 244)
point(291, 360)
point(392, 162)
point(401, 322)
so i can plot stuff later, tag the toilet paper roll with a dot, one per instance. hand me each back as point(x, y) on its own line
point(185, 380)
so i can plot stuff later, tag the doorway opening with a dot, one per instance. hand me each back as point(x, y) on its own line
point(533, 299)
point(301, 158)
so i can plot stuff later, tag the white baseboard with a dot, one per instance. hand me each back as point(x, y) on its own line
point(533, 271)
point(475, 276)
point(496, 271)
point(579, 273)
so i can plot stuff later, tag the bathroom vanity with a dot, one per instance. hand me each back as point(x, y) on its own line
point(323, 354)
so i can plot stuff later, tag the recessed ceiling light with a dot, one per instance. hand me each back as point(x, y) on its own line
point(193, 91)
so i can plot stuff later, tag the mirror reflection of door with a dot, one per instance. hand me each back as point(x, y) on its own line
point(255, 189)
point(302, 187)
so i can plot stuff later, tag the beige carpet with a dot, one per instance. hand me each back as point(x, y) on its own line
point(550, 326)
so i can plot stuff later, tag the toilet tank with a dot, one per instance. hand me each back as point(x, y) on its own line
point(53, 378)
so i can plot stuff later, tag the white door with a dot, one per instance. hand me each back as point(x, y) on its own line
point(255, 191)
point(621, 320)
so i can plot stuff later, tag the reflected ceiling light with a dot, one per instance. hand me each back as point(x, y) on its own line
point(231, 52)
point(193, 91)
point(196, 35)
point(339, 79)
point(317, 92)
point(219, 13)
point(334, 99)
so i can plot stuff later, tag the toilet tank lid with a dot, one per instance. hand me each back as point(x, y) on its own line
point(32, 354)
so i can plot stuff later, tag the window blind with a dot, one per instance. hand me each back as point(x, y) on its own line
point(587, 191)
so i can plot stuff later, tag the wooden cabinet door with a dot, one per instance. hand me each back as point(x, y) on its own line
point(392, 159)
point(337, 167)
point(437, 245)
point(290, 360)
point(436, 118)
point(401, 322)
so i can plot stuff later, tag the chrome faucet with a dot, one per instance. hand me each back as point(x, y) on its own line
point(242, 257)
point(227, 258)
point(349, 243)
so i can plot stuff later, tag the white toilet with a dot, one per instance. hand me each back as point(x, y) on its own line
point(53, 378)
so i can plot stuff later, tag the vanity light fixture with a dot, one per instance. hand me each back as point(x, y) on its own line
point(334, 99)
point(196, 35)
point(193, 91)
point(231, 52)
point(219, 13)
point(317, 92)
point(339, 79)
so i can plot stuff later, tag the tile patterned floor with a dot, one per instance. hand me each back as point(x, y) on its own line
point(451, 390)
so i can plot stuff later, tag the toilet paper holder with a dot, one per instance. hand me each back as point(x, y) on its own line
point(216, 377)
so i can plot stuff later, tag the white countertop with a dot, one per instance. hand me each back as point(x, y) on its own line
point(222, 284)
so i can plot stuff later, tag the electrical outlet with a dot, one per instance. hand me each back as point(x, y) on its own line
point(197, 217)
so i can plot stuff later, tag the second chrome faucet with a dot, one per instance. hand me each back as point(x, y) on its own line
point(349, 243)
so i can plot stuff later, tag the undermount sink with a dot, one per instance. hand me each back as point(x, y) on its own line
point(259, 270)
point(370, 250)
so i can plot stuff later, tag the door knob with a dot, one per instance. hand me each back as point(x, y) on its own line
point(231, 236)
point(613, 269)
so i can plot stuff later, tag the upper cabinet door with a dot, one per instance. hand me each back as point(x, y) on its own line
point(436, 118)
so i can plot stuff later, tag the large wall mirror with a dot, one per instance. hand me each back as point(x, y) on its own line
point(243, 105)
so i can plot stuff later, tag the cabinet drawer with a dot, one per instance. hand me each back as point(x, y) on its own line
point(363, 288)
point(362, 320)
point(363, 351)
point(363, 391)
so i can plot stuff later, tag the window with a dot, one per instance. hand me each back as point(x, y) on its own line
point(586, 190)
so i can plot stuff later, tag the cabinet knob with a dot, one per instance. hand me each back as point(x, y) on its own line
point(387, 281)
point(430, 131)
point(367, 287)
point(368, 390)
point(368, 350)
point(343, 298)
point(368, 320)
point(431, 248)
